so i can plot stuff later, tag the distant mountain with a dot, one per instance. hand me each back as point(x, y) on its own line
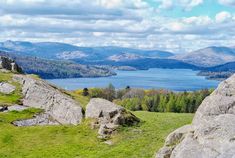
point(124, 57)
point(219, 72)
point(208, 57)
point(54, 50)
point(225, 67)
point(50, 69)
point(145, 63)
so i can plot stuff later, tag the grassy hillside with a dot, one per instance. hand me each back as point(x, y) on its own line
point(9, 99)
point(82, 142)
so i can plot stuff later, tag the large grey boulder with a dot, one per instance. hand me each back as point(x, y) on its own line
point(212, 133)
point(9, 64)
point(6, 88)
point(108, 116)
point(39, 94)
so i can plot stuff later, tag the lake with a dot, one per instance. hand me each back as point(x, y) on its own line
point(172, 79)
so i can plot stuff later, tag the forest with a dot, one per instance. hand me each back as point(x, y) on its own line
point(150, 100)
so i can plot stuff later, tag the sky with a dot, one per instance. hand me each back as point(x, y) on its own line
point(174, 25)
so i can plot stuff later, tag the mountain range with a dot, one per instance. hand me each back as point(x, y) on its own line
point(55, 50)
point(98, 61)
point(208, 57)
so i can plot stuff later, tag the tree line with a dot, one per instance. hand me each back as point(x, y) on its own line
point(151, 100)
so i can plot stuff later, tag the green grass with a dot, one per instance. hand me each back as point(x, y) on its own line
point(77, 95)
point(9, 99)
point(141, 141)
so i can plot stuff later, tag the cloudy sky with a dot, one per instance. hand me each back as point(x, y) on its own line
point(173, 25)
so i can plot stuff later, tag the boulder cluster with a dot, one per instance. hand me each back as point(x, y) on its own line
point(108, 116)
point(212, 132)
point(60, 108)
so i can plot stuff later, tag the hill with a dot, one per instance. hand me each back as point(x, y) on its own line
point(50, 69)
point(81, 140)
point(144, 63)
point(208, 57)
point(220, 72)
point(55, 50)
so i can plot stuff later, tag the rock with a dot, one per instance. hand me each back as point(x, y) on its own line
point(6, 88)
point(13, 108)
point(17, 108)
point(108, 142)
point(41, 119)
point(9, 64)
point(212, 131)
point(3, 108)
point(39, 94)
point(108, 116)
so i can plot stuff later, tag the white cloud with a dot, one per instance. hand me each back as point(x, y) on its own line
point(110, 3)
point(130, 23)
point(227, 2)
point(166, 4)
point(222, 17)
point(189, 4)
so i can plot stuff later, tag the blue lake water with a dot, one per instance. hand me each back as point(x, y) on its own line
point(172, 79)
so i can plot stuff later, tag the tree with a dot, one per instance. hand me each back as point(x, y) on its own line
point(85, 92)
point(170, 106)
point(110, 92)
point(96, 93)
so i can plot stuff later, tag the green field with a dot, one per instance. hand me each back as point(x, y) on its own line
point(80, 141)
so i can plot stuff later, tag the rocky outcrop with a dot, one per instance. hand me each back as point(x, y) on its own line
point(212, 133)
point(6, 88)
point(59, 106)
point(41, 119)
point(9, 64)
point(108, 116)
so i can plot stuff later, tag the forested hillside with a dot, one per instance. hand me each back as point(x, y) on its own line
point(50, 69)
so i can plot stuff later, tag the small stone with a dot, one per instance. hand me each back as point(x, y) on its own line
point(6, 88)
point(17, 108)
point(108, 142)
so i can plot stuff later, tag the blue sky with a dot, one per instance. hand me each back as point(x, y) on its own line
point(174, 25)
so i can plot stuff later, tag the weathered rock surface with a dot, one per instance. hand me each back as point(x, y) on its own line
point(6, 88)
point(39, 94)
point(9, 64)
point(212, 133)
point(17, 108)
point(108, 116)
point(13, 108)
point(41, 119)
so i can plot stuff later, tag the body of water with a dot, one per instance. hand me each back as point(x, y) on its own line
point(172, 79)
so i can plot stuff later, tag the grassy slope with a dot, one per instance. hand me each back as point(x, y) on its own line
point(81, 141)
point(13, 98)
